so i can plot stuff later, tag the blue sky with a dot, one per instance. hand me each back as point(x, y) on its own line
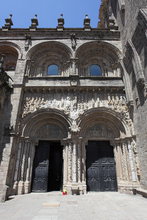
point(48, 11)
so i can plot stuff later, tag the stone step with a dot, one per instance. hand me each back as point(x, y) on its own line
point(140, 191)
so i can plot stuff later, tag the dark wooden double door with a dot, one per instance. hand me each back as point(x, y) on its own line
point(101, 172)
point(47, 167)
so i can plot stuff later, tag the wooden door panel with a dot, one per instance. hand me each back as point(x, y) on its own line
point(55, 168)
point(101, 174)
point(41, 165)
point(47, 169)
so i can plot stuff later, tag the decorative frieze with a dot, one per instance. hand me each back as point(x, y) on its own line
point(74, 104)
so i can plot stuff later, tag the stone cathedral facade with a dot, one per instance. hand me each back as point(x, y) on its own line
point(67, 115)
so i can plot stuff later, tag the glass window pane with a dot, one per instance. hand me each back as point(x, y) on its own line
point(53, 70)
point(95, 70)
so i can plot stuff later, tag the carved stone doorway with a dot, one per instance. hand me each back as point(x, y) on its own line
point(48, 167)
point(100, 164)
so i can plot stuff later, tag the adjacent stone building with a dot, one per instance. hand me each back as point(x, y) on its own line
point(75, 119)
point(131, 19)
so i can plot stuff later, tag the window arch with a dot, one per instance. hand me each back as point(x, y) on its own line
point(95, 70)
point(53, 69)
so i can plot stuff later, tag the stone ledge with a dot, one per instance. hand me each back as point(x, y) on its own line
point(140, 191)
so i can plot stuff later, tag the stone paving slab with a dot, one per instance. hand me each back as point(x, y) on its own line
point(95, 206)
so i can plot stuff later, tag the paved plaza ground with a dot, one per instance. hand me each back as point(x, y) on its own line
point(92, 206)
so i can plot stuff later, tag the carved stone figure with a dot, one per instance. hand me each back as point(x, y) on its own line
point(73, 41)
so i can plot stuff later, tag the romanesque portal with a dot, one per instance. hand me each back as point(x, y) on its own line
point(79, 143)
point(72, 125)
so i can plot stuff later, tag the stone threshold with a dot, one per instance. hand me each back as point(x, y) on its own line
point(140, 191)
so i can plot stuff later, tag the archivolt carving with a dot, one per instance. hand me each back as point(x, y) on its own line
point(44, 125)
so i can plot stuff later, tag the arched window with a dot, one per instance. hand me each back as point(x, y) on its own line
point(53, 69)
point(95, 70)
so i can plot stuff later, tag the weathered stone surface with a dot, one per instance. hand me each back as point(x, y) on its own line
point(131, 18)
point(74, 107)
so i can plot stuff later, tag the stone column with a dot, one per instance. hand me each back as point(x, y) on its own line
point(67, 165)
point(82, 166)
point(79, 167)
point(27, 168)
point(16, 174)
point(83, 162)
point(70, 149)
point(121, 164)
point(125, 161)
point(29, 157)
point(79, 161)
point(117, 160)
point(132, 163)
point(25, 163)
point(20, 171)
point(126, 169)
point(74, 163)
point(73, 166)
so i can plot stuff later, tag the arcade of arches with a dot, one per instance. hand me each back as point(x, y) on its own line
point(92, 154)
point(71, 131)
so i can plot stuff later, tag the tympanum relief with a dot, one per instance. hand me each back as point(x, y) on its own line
point(100, 130)
point(51, 131)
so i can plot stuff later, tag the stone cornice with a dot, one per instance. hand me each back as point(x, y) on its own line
point(99, 89)
point(48, 33)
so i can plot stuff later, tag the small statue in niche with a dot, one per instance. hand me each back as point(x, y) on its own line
point(73, 41)
point(27, 41)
